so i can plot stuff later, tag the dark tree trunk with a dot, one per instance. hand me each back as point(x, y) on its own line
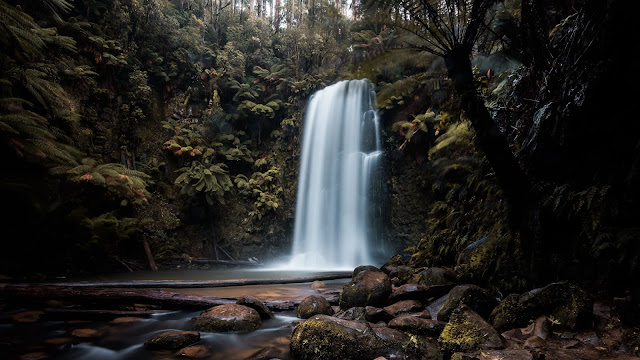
point(492, 141)
point(523, 211)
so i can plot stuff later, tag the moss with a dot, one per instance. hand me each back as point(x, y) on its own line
point(460, 335)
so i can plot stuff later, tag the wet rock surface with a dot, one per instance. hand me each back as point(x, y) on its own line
point(314, 305)
point(368, 287)
point(228, 318)
point(172, 340)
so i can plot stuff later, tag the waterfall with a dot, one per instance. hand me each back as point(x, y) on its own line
point(337, 219)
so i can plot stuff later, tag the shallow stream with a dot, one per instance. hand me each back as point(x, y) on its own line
point(121, 341)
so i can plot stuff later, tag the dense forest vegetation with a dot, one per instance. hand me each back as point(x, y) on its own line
point(137, 132)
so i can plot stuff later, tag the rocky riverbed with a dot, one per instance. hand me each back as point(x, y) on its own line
point(392, 312)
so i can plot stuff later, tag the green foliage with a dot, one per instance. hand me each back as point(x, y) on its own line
point(116, 178)
point(212, 180)
point(262, 186)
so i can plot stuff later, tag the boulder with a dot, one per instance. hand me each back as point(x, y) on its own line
point(404, 307)
point(362, 268)
point(172, 340)
point(569, 306)
point(540, 328)
point(510, 354)
point(417, 325)
point(194, 352)
point(262, 309)
point(475, 297)
point(228, 318)
point(409, 292)
point(354, 313)
point(467, 331)
point(375, 315)
point(367, 288)
point(329, 338)
point(314, 305)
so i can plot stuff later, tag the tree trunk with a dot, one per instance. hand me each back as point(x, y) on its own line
point(147, 252)
point(252, 5)
point(185, 284)
point(494, 145)
point(115, 296)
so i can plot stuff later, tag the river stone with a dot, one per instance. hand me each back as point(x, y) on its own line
point(354, 313)
point(194, 352)
point(510, 354)
point(376, 314)
point(417, 325)
point(467, 331)
point(570, 306)
point(314, 305)
point(475, 297)
point(264, 312)
point(367, 288)
point(404, 307)
point(228, 318)
point(329, 338)
point(172, 340)
point(362, 268)
point(540, 328)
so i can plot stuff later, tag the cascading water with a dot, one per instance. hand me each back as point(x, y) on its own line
point(337, 216)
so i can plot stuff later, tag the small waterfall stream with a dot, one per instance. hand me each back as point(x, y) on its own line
point(335, 223)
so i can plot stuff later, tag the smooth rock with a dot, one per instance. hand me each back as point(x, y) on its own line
point(194, 352)
point(228, 318)
point(354, 313)
point(540, 328)
point(314, 305)
point(362, 268)
point(404, 307)
point(367, 288)
point(318, 284)
point(264, 312)
point(172, 340)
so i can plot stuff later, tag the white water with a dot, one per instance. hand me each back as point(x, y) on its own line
point(335, 222)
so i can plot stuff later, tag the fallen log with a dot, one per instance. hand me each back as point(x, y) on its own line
point(182, 284)
point(90, 314)
point(167, 300)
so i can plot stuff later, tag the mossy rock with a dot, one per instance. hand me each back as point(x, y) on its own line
point(172, 340)
point(433, 276)
point(228, 318)
point(314, 305)
point(467, 331)
point(329, 338)
point(475, 297)
point(567, 305)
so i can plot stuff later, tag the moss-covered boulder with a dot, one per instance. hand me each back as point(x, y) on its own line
point(367, 288)
point(228, 318)
point(329, 338)
point(567, 305)
point(467, 331)
point(475, 297)
point(314, 305)
point(262, 309)
point(172, 340)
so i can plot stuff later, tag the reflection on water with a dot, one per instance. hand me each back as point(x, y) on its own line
point(125, 341)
